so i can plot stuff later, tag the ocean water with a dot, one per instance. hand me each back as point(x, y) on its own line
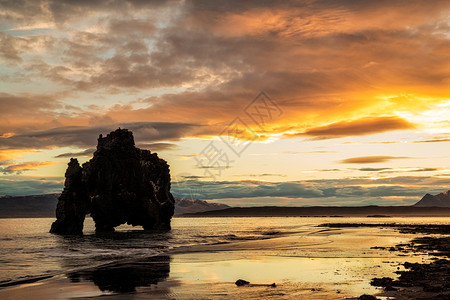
point(28, 251)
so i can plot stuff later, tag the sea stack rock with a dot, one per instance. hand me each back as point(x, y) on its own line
point(120, 184)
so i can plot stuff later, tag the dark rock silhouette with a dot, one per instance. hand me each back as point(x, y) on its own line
point(120, 184)
point(383, 282)
point(367, 297)
point(242, 282)
point(73, 202)
point(439, 200)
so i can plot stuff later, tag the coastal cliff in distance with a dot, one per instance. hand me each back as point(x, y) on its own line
point(439, 200)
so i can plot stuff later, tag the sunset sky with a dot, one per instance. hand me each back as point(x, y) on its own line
point(251, 102)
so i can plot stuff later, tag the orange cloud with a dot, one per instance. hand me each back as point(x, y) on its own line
point(7, 155)
point(370, 159)
point(28, 166)
point(363, 126)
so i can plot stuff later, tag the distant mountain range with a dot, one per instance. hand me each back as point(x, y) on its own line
point(439, 200)
point(184, 206)
point(44, 206)
point(35, 206)
point(40, 206)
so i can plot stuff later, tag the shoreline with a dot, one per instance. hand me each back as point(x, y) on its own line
point(369, 211)
point(326, 211)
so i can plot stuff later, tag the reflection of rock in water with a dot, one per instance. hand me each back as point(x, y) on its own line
point(125, 277)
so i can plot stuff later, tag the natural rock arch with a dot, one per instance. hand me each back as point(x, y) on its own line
point(120, 184)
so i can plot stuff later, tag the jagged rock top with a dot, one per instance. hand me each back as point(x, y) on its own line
point(120, 139)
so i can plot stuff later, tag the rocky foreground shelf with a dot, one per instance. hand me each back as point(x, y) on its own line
point(419, 280)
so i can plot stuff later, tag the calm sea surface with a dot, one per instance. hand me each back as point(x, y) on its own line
point(27, 250)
